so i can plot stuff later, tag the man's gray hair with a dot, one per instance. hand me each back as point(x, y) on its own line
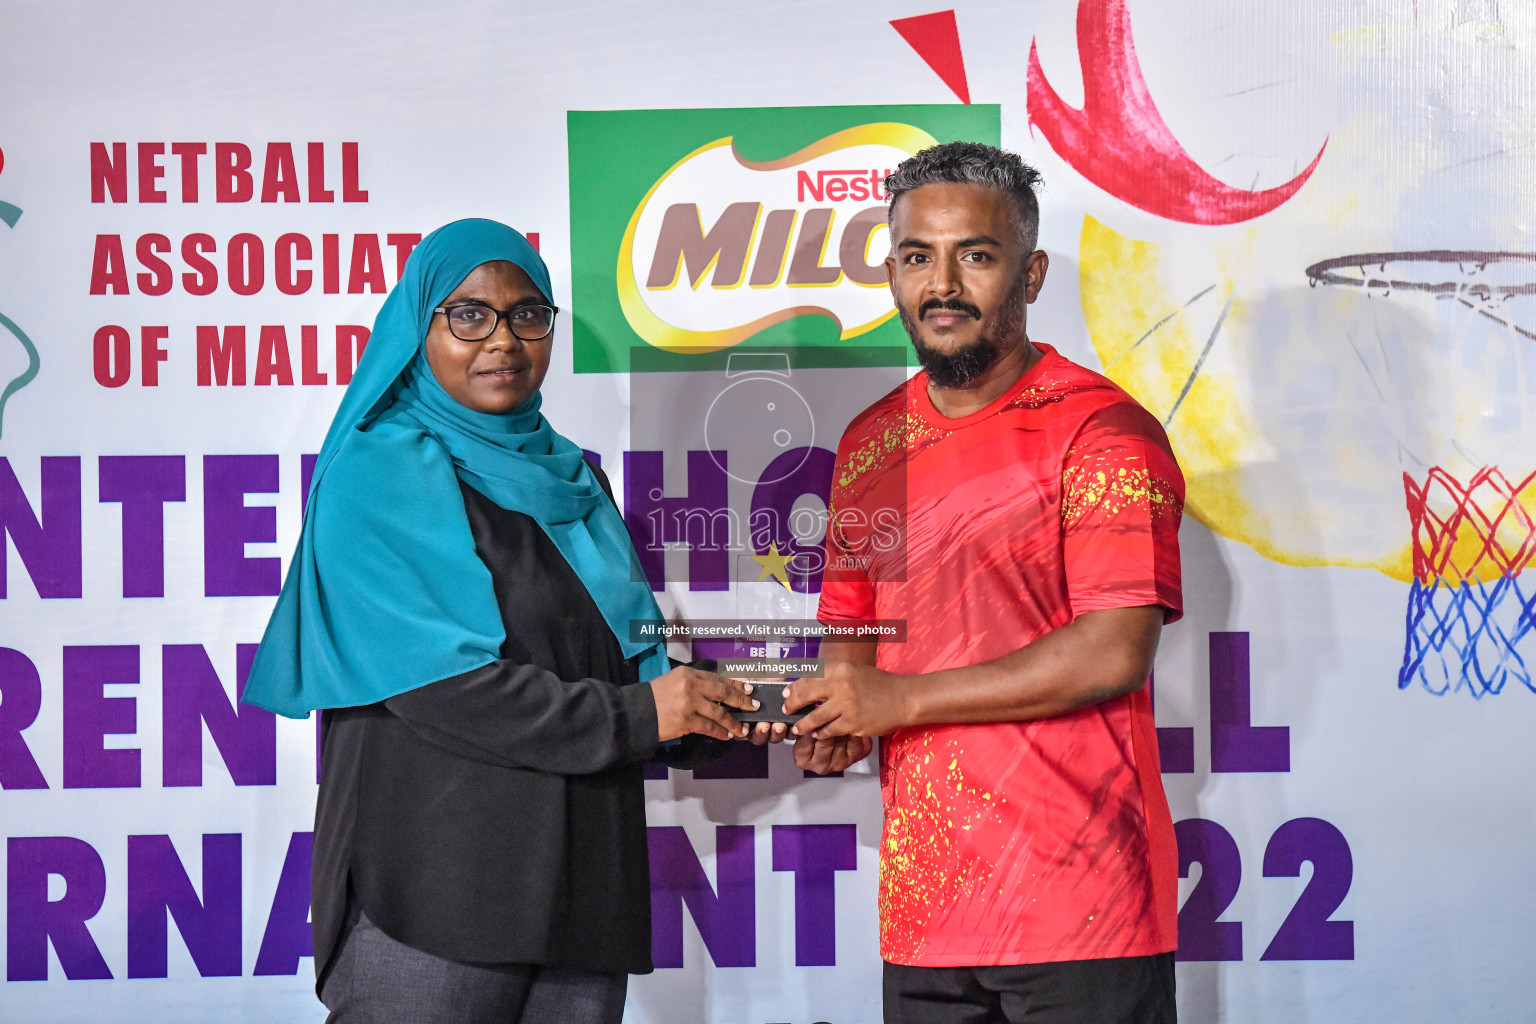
point(973, 163)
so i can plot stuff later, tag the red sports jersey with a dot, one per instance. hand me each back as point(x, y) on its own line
point(1025, 842)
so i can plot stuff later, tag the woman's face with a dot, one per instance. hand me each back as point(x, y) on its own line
point(500, 373)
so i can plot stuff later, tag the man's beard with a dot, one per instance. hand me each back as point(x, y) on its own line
point(964, 365)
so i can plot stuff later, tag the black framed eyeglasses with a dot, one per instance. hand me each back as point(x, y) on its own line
point(475, 321)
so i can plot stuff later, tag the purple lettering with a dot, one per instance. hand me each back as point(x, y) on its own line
point(21, 697)
point(245, 735)
point(1236, 745)
point(815, 853)
point(741, 761)
point(143, 484)
point(793, 473)
point(1201, 935)
point(90, 716)
point(32, 920)
point(228, 525)
point(306, 478)
point(158, 885)
point(1175, 744)
point(49, 544)
point(655, 520)
point(288, 939)
point(678, 880)
point(1306, 933)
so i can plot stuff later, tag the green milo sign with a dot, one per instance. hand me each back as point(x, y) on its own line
point(696, 233)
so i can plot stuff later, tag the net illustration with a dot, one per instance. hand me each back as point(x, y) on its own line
point(1471, 615)
point(1469, 609)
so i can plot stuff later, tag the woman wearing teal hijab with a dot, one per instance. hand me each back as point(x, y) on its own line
point(460, 607)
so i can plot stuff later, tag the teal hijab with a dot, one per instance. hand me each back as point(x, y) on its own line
point(385, 592)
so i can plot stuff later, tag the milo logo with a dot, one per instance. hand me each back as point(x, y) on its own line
point(773, 231)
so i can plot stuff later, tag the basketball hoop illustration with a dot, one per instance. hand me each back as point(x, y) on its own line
point(1471, 617)
point(1481, 281)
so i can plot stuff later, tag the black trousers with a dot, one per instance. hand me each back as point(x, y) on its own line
point(1120, 990)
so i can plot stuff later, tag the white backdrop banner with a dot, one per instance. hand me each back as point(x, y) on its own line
point(1299, 232)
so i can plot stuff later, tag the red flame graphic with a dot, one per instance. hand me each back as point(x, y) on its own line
point(1120, 142)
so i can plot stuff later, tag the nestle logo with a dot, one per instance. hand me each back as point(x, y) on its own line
point(836, 186)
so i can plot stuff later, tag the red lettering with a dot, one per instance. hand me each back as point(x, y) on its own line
point(158, 280)
point(221, 358)
point(290, 248)
point(318, 193)
point(280, 176)
point(272, 357)
point(112, 357)
point(246, 264)
point(150, 172)
point(189, 152)
point(404, 243)
point(330, 263)
point(151, 354)
point(309, 355)
point(232, 181)
point(350, 193)
point(833, 186)
point(109, 173)
point(349, 338)
point(206, 276)
point(243, 263)
point(367, 265)
point(109, 271)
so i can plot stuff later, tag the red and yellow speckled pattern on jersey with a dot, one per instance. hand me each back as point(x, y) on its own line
point(1014, 842)
point(893, 435)
point(1116, 486)
point(884, 441)
point(923, 826)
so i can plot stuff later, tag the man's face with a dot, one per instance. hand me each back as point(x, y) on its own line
point(961, 278)
point(498, 374)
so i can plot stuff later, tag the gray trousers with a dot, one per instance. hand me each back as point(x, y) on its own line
point(376, 980)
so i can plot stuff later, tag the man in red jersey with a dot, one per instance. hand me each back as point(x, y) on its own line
point(1028, 867)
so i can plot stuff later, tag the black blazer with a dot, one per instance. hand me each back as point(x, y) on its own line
point(498, 816)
